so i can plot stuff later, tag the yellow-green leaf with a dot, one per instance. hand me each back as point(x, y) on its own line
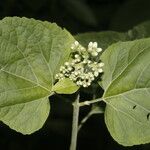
point(31, 53)
point(65, 86)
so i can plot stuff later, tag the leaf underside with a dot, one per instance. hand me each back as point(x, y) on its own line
point(127, 90)
point(31, 53)
point(28, 117)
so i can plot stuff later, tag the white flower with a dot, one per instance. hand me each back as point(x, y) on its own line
point(100, 70)
point(101, 64)
point(82, 49)
point(57, 76)
point(95, 45)
point(96, 74)
point(83, 67)
point(89, 61)
point(99, 50)
point(72, 47)
point(90, 45)
point(69, 68)
point(94, 53)
point(84, 85)
point(76, 43)
point(62, 68)
point(76, 56)
point(66, 63)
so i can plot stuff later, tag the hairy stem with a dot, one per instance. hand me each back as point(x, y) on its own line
point(75, 120)
point(75, 128)
point(90, 102)
point(90, 113)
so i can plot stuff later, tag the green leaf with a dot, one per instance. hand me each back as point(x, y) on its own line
point(31, 53)
point(126, 81)
point(65, 86)
point(26, 117)
point(104, 39)
point(140, 31)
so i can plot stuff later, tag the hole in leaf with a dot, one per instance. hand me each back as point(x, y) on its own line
point(134, 106)
point(148, 115)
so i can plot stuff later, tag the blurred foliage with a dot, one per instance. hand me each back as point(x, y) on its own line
point(104, 39)
point(81, 15)
point(129, 14)
point(76, 16)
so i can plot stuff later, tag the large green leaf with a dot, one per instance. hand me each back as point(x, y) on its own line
point(31, 53)
point(126, 81)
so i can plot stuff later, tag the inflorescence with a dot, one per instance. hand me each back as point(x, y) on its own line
point(84, 65)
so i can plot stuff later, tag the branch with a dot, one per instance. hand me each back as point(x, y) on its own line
point(90, 102)
point(75, 120)
point(84, 120)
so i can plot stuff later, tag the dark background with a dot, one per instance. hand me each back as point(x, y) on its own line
point(77, 16)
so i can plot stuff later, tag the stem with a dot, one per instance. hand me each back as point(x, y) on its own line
point(90, 113)
point(90, 102)
point(75, 120)
point(75, 128)
point(84, 120)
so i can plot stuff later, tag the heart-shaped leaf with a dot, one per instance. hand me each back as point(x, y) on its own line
point(126, 81)
point(31, 53)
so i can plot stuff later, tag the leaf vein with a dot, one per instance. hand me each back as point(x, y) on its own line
point(24, 79)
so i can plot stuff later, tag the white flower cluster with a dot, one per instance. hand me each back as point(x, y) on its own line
point(84, 65)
